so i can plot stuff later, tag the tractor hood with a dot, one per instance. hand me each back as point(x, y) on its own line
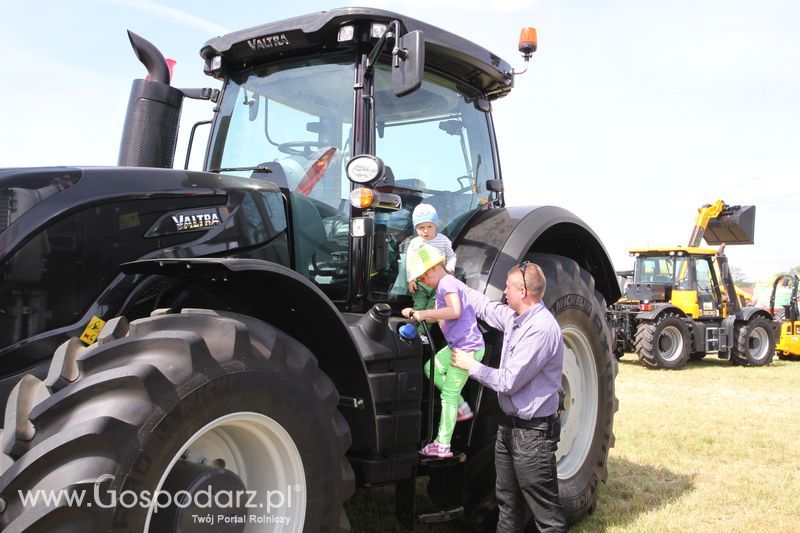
point(31, 198)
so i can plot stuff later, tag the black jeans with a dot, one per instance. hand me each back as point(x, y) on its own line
point(527, 478)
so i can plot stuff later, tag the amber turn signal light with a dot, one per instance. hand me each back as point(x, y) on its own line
point(361, 197)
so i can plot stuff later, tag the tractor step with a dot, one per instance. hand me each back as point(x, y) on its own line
point(442, 462)
point(436, 515)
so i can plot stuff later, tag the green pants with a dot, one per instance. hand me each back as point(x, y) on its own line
point(449, 380)
point(424, 298)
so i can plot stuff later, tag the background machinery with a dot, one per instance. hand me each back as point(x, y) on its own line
point(683, 303)
point(789, 340)
point(237, 329)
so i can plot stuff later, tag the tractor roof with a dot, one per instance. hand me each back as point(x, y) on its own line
point(318, 32)
point(682, 250)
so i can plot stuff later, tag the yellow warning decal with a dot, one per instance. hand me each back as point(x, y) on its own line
point(94, 328)
point(129, 220)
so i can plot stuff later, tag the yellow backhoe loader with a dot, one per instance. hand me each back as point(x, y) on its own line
point(683, 303)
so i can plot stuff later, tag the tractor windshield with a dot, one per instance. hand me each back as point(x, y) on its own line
point(291, 123)
point(437, 148)
point(675, 270)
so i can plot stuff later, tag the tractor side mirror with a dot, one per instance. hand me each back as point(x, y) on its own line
point(409, 63)
point(494, 185)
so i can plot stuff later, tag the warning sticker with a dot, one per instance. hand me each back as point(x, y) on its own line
point(94, 328)
point(128, 220)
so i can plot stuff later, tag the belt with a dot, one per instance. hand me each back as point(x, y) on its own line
point(517, 422)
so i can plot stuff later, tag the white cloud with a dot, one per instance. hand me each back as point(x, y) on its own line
point(172, 13)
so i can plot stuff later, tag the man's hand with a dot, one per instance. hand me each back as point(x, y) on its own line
point(461, 359)
point(412, 286)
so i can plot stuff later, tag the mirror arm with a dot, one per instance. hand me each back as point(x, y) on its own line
point(392, 32)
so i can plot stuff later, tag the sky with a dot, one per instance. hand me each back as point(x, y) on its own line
point(632, 114)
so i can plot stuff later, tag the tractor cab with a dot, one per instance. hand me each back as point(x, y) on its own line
point(299, 103)
point(687, 277)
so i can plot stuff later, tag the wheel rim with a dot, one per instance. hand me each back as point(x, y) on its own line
point(758, 343)
point(264, 456)
point(670, 343)
point(579, 383)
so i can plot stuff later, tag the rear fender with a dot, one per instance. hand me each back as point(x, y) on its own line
point(497, 239)
point(749, 313)
point(660, 309)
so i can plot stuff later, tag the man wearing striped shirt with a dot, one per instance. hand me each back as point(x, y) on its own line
point(527, 384)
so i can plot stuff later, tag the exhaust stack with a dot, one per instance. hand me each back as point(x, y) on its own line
point(154, 109)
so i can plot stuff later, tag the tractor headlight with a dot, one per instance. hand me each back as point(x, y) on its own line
point(364, 169)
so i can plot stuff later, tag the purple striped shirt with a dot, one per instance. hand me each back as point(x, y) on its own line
point(529, 375)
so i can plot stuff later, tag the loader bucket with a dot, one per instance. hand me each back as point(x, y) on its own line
point(737, 227)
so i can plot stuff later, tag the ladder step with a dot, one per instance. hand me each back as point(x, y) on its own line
point(437, 515)
point(442, 462)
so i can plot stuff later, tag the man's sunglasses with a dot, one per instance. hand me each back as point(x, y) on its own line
point(522, 267)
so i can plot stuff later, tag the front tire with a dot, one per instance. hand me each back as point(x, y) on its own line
point(197, 388)
point(755, 342)
point(663, 343)
point(589, 371)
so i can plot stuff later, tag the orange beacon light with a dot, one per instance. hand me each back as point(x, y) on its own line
point(527, 42)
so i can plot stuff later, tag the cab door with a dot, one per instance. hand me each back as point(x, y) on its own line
point(708, 295)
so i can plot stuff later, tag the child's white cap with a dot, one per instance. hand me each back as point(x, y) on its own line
point(425, 213)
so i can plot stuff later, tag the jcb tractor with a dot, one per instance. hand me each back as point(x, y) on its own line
point(168, 336)
point(683, 304)
point(789, 342)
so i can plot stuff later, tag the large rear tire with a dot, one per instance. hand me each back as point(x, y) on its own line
point(663, 343)
point(755, 342)
point(590, 369)
point(193, 389)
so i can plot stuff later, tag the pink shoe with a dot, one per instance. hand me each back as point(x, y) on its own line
point(434, 449)
point(464, 412)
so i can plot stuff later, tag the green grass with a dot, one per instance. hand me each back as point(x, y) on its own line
point(712, 447)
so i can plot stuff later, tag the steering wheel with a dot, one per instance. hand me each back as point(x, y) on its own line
point(292, 147)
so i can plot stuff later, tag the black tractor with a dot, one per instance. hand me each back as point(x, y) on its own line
point(169, 336)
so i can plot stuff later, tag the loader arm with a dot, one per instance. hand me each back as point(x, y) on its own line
point(704, 214)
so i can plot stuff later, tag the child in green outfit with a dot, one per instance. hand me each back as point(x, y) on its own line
point(460, 327)
point(426, 224)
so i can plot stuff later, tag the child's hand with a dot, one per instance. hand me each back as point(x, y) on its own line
point(412, 286)
point(414, 314)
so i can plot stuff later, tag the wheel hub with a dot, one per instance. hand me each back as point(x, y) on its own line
point(670, 343)
point(194, 490)
point(758, 343)
point(253, 450)
point(580, 388)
